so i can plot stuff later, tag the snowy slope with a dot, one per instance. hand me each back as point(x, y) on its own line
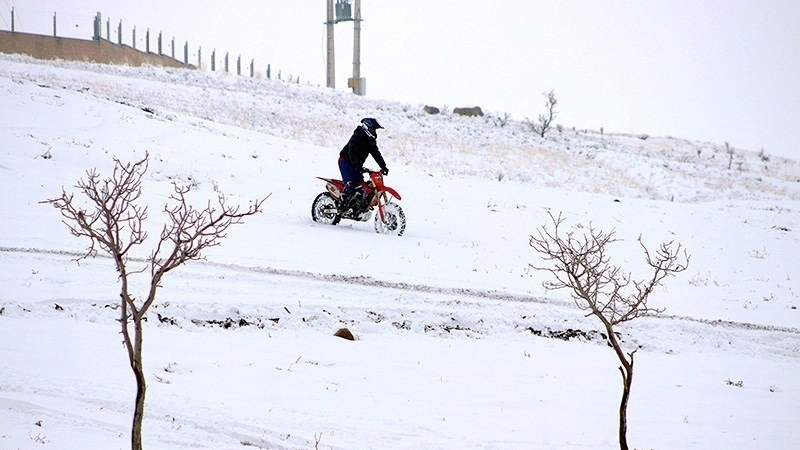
point(447, 357)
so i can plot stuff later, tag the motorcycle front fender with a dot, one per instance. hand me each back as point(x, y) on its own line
point(392, 192)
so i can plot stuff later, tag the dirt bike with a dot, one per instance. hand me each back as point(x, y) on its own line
point(328, 207)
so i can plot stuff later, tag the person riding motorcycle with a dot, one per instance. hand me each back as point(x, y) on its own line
point(352, 157)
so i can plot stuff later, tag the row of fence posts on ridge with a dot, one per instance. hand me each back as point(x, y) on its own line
point(98, 35)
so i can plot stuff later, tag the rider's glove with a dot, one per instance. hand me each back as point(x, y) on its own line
point(385, 171)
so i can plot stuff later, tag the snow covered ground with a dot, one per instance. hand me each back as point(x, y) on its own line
point(239, 349)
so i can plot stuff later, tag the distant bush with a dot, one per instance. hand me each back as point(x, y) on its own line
point(501, 119)
point(541, 126)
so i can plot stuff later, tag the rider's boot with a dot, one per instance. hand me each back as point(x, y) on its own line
point(365, 202)
point(347, 202)
point(348, 195)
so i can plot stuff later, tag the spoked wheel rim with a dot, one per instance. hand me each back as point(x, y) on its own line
point(323, 210)
point(394, 222)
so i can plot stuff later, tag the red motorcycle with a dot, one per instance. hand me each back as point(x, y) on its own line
point(329, 208)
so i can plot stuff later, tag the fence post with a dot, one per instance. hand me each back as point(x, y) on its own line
point(108, 30)
point(199, 56)
point(173, 47)
point(226, 62)
point(186, 53)
point(55, 33)
point(252, 68)
point(159, 43)
point(97, 26)
point(269, 69)
point(239, 65)
point(213, 60)
point(119, 32)
point(147, 40)
point(12, 20)
point(134, 38)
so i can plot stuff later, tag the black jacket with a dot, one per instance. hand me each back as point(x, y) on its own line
point(359, 147)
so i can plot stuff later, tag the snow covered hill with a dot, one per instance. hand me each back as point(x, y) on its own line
point(452, 322)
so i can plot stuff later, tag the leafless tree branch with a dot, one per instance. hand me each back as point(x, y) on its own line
point(113, 223)
point(581, 264)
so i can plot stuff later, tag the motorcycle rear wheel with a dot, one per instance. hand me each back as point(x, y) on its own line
point(323, 209)
point(394, 220)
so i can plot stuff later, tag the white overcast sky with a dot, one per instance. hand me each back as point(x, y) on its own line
point(713, 70)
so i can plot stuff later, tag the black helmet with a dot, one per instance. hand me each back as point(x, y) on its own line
point(369, 122)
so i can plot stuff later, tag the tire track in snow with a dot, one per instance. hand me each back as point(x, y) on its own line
point(421, 288)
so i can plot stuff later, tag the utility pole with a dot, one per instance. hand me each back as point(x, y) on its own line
point(331, 60)
point(357, 83)
point(344, 13)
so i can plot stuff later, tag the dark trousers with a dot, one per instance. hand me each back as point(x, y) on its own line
point(351, 176)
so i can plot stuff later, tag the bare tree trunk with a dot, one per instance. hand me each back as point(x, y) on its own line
point(138, 414)
point(627, 381)
point(133, 345)
point(141, 386)
point(626, 369)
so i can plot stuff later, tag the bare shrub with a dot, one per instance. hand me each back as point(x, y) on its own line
point(114, 224)
point(501, 119)
point(579, 262)
point(545, 120)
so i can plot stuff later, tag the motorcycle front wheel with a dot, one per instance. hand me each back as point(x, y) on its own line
point(323, 209)
point(394, 220)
